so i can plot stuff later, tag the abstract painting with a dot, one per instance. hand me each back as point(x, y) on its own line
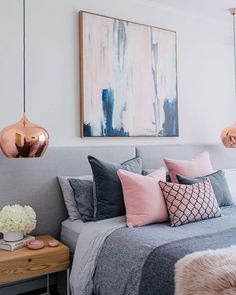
point(128, 75)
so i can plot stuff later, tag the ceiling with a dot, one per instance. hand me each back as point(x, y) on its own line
point(211, 8)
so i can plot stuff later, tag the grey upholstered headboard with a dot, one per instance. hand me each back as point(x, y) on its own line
point(33, 181)
point(153, 155)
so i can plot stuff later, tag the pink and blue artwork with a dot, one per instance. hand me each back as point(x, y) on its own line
point(128, 78)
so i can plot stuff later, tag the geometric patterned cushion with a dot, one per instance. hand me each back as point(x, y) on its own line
point(189, 203)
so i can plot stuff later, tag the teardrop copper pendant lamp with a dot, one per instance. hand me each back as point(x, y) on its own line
point(228, 135)
point(24, 139)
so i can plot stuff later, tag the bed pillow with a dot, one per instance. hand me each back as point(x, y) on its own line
point(145, 172)
point(230, 176)
point(144, 202)
point(189, 203)
point(219, 185)
point(198, 166)
point(83, 194)
point(68, 195)
point(108, 196)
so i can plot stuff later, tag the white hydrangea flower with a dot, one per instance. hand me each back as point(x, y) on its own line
point(17, 218)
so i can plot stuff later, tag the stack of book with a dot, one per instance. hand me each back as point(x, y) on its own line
point(11, 246)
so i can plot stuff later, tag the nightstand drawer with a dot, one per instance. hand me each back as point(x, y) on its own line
point(24, 263)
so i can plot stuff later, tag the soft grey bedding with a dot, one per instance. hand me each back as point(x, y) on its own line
point(89, 245)
point(110, 258)
point(160, 280)
point(70, 231)
point(120, 264)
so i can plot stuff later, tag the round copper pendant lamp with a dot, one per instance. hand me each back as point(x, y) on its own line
point(228, 135)
point(24, 139)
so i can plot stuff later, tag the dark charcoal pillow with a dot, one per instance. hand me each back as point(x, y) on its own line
point(83, 193)
point(108, 195)
point(219, 185)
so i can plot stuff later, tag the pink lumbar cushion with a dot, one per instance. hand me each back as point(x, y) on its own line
point(143, 198)
point(198, 166)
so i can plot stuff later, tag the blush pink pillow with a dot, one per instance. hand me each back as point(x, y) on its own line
point(143, 198)
point(198, 166)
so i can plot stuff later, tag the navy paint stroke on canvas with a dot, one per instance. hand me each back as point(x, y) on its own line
point(106, 125)
point(170, 125)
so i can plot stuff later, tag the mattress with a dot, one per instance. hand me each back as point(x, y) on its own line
point(70, 231)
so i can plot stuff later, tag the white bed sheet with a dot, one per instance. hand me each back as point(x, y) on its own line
point(70, 231)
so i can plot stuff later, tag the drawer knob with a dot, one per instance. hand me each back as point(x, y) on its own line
point(29, 259)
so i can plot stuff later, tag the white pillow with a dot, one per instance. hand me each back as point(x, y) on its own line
point(230, 175)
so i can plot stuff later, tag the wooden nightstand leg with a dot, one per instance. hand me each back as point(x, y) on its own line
point(68, 281)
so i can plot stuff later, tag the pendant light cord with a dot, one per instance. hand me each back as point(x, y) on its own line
point(24, 55)
point(234, 53)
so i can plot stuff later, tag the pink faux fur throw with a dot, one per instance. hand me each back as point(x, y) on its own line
point(210, 272)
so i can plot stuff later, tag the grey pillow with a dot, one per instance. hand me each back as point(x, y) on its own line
point(219, 185)
point(83, 193)
point(108, 195)
point(68, 195)
point(145, 172)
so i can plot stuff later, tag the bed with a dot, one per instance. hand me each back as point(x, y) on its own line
point(34, 182)
point(151, 253)
point(70, 231)
point(110, 257)
point(137, 261)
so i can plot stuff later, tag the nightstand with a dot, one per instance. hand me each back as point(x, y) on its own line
point(25, 263)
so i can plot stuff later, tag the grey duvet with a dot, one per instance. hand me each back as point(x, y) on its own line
point(156, 281)
point(141, 261)
point(111, 259)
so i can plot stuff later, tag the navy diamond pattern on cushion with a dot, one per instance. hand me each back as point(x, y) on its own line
point(189, 203)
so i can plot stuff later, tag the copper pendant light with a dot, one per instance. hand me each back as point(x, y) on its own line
point(24, 139)
point(228, 135)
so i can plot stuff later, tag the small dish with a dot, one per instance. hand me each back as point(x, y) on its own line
point(36, 244)
point(53, 243)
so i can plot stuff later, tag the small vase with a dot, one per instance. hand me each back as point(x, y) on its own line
point(13, 236)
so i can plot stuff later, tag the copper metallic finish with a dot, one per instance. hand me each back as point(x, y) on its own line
point(228, 136)
point(232, 11)
point(24, 140)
